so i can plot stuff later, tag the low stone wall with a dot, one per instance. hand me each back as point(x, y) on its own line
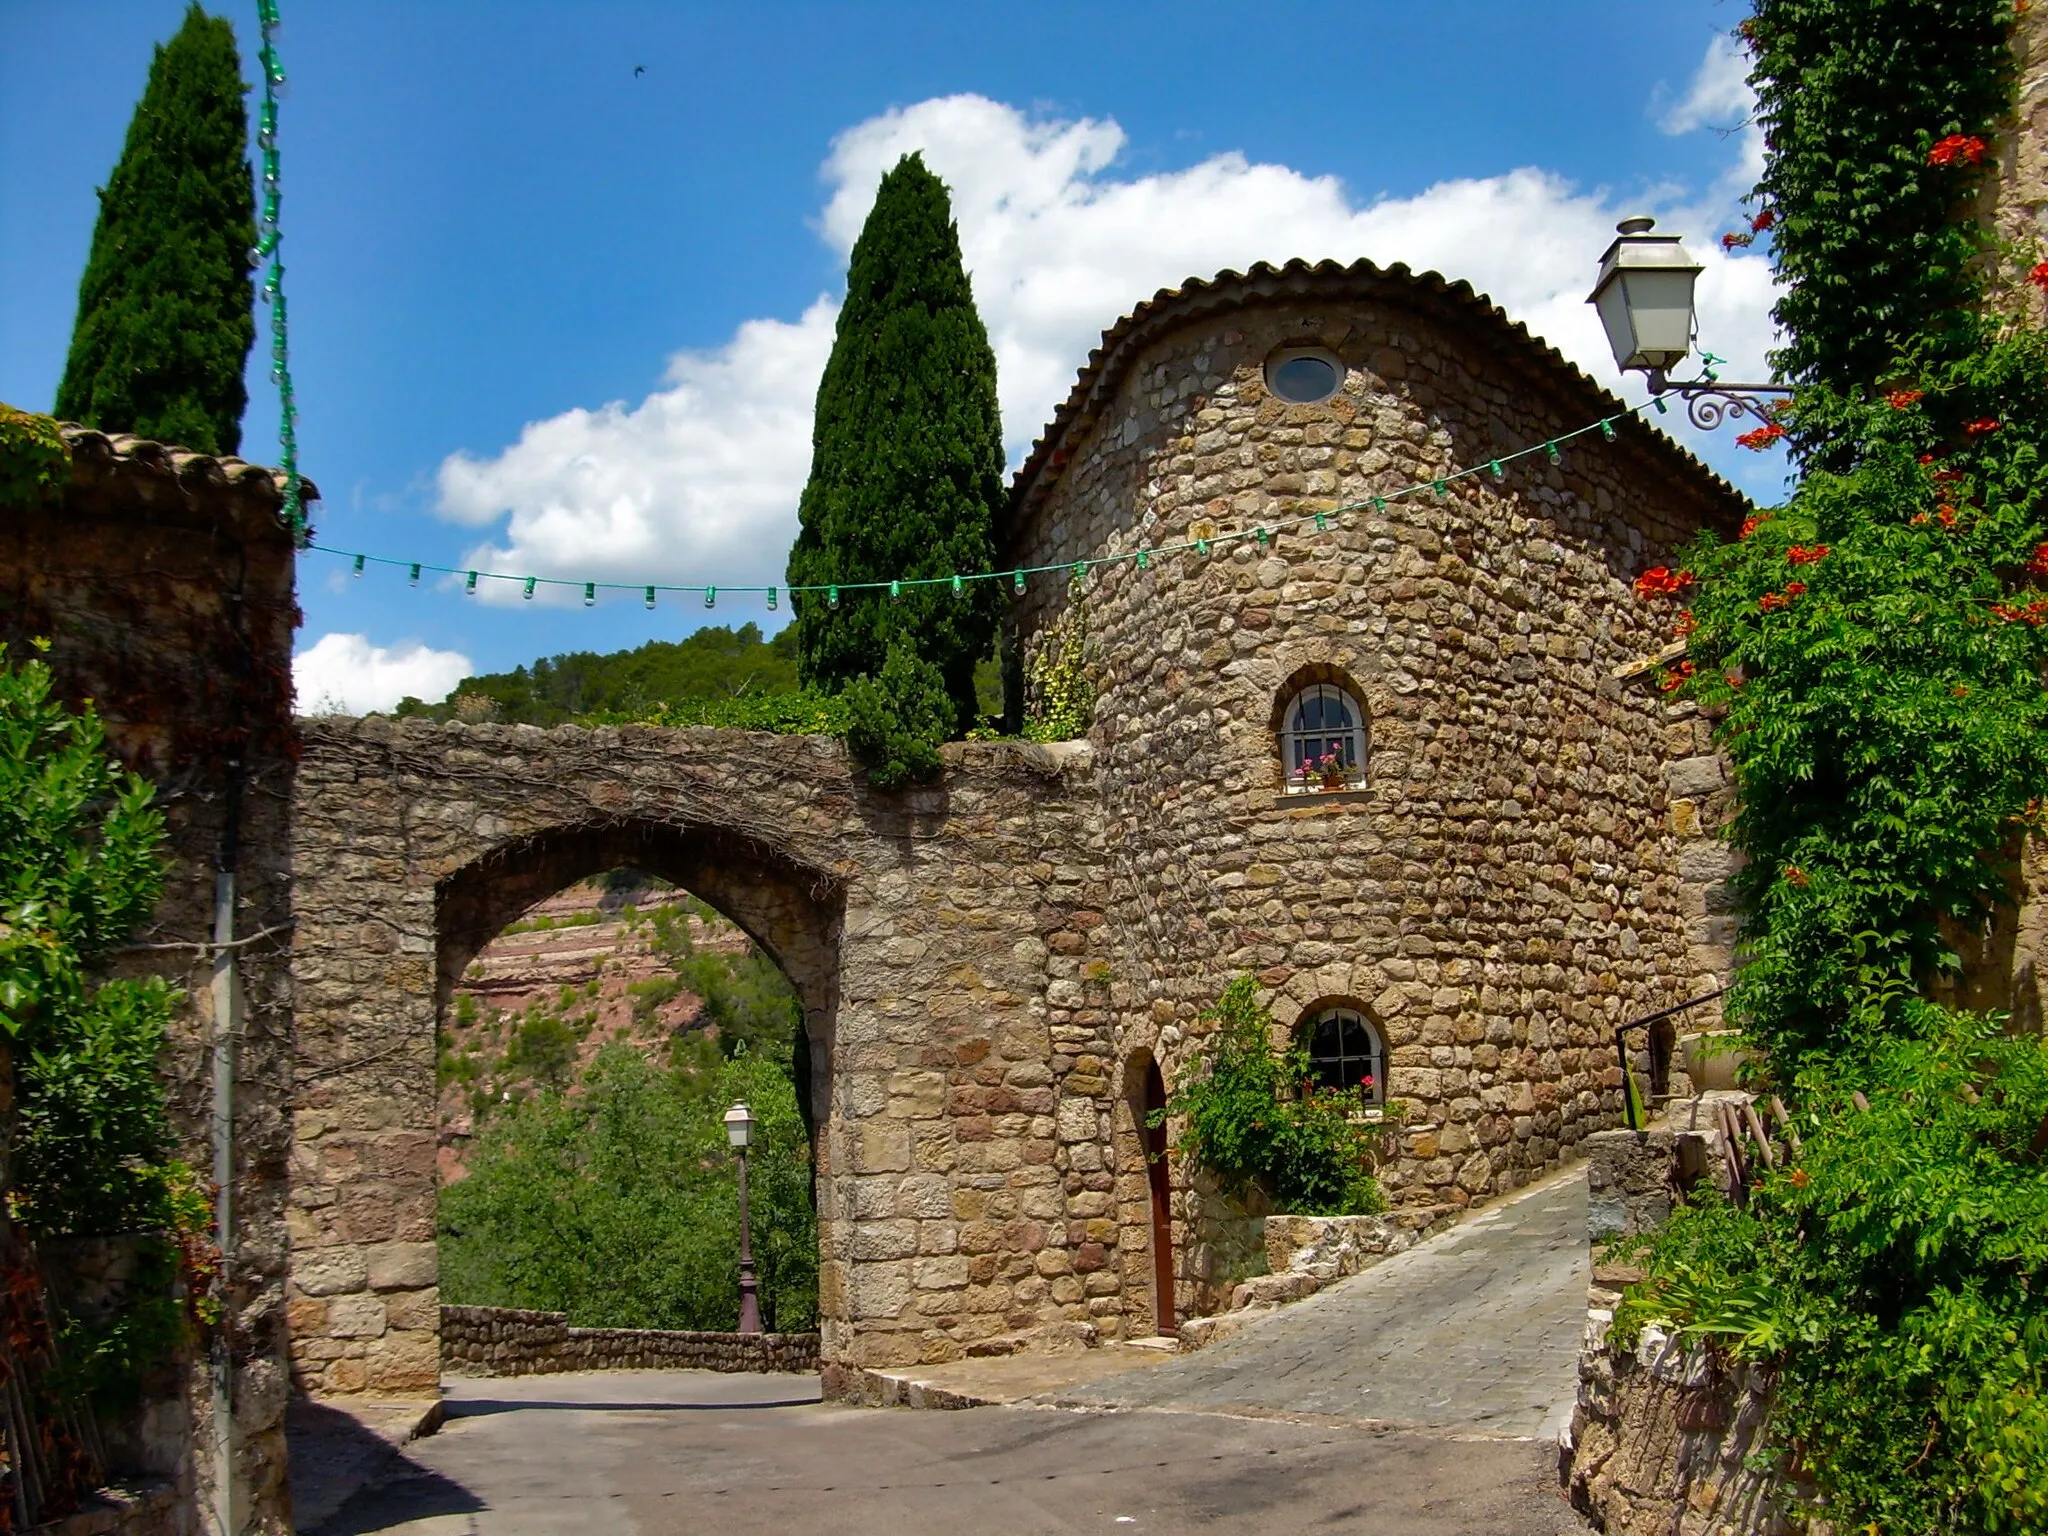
point(1661, 1436)
point(143, 1508)
point(506, 1341)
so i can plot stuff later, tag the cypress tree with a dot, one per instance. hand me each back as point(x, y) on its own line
point(906, 481)
point(165, 316)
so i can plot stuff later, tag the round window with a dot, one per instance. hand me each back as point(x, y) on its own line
point(1304, 375)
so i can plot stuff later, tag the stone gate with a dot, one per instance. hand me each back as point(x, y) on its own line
point(943, 942)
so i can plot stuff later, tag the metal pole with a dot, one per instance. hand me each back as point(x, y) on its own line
point(750, 1303)
point(226, 1026)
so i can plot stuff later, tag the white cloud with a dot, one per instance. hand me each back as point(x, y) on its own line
point(1719, 96)
point(699, 482)
point(345, 674)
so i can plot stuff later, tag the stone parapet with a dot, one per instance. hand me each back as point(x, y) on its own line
point(508, 1341)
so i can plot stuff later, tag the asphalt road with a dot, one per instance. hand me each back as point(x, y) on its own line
point(630, 1453)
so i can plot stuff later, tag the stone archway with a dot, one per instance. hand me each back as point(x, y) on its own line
point(946, 943)
point(792, 912)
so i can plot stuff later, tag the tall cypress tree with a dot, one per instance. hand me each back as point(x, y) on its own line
point(165, 316)
point(906, 481)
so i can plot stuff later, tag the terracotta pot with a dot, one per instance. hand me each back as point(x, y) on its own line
point(1708, 1059)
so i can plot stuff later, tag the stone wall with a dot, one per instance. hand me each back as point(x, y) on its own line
point(1662, 1436)
point(1511, 881)
point(937, 937)
point(508, 1341)
point(163, 582)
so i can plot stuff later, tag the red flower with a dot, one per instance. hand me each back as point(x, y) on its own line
point(1980, 426)
point(1800, 1179)
point(2039, 564)
point(1733, 679)
point(1687, 623)
point(1947, 514)
point(1676, 677)
point(1963, 148)
point(1795, 589)
point(1762, 437)
point(1764, 220)
point(1661, 581)
point(1902, 399)
point(1794, 875)
point(1921, 519)
point(1751, 524)
point(1947, 476)
point(1735, 239)
point(1771, 602)
point(2039, 275)
point(1799, 554)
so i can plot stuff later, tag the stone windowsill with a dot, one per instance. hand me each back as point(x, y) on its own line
point(1295, 800)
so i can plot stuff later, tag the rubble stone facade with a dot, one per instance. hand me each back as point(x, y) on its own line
point(1509, 881)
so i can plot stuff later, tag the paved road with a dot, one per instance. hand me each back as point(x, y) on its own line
point(1477, 1330)
point(1403, 1402)
point(648, 1454)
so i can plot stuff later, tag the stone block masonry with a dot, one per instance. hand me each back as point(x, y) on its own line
point(162, 581)
point(508, 1341)
point(935, 937)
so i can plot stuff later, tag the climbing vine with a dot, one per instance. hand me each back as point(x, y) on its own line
point(33, 458)
point(1874, 652)
point(1063, 674)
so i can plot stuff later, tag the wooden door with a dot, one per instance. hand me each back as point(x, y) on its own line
point(1162, 1197)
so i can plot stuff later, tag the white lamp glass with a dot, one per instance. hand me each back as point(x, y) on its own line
point(1645, 297)
point(739, 1126)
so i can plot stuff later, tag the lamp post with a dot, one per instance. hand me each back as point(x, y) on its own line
point(739, 1130)
point(1644, 294)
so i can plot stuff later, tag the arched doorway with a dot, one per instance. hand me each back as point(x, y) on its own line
point(1152, 1096)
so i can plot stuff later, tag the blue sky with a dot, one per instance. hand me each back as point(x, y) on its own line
point(555, 317)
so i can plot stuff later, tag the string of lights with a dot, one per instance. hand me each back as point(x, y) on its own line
point(268, 236)
point(1018, 576)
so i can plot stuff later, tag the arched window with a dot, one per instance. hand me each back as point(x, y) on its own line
point(1322, 740)
point(1346, 1051)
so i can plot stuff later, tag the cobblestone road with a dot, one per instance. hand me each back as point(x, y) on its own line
point(1476, 1331)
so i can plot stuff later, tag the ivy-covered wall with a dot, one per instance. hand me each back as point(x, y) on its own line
point(163, 583)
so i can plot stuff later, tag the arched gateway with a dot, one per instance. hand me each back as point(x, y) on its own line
point(937, 939)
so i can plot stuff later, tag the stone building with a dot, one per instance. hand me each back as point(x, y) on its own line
point(1497, 876)
point(1001, 972)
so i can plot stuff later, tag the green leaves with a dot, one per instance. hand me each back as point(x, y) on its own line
point(906, 482)
point(80, 865)
point(165, 316)
point(619, 1204)
point(1256, 1116)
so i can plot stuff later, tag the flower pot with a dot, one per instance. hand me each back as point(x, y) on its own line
point(1711, 1058)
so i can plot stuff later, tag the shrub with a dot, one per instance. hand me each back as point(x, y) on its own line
point(1254, 1116)
point(1892, 1275)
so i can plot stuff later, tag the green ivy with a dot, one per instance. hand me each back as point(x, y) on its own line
point(1063, 675)
point(34, 463)
point(1253, 1116)
point(1873, 240)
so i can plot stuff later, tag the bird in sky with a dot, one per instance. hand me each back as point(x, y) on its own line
point(639, 70)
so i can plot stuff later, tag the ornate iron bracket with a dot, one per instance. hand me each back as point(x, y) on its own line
point(1709, 402)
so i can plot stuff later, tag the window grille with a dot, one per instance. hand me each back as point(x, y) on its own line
point(1322, 740)
point(1346, 1052)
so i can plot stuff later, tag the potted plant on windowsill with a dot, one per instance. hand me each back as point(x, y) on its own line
point(1325, 773)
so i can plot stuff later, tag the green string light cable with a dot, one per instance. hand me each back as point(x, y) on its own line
point(1438, 485)
point(265, 250)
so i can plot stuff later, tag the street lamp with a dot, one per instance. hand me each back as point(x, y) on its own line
point(739, 1130)
point(1644, 294)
